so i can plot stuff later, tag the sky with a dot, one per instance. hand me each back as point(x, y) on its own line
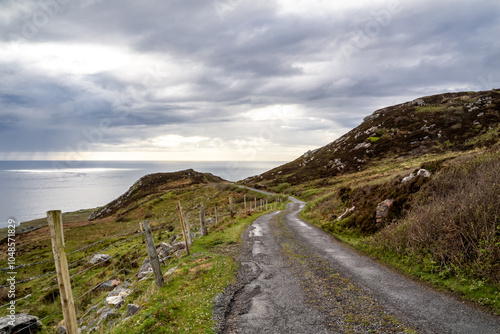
point(225, 79)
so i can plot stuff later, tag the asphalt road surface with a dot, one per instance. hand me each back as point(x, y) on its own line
point(296, 278)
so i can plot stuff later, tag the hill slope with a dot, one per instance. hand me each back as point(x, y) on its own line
point(432, 124)
point(152, 184)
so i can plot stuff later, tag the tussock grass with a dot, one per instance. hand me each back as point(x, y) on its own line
point(455, 223)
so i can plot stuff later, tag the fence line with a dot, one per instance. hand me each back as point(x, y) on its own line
point(235, 209)
point(101, 241)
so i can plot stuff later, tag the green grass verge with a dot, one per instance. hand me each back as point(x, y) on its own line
point(185, 302)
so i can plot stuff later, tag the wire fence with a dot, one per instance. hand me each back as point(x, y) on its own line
point(88, 279)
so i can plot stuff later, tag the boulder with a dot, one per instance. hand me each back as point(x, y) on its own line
point(99, 259)
point(424, 173)
point(145, 269)
point(115, 301)
point(421, 173)
point(108, 314)
point(178, 246)
point(22, 323)
point(383, 209)
point(132, 309)
point(120, 290)
point(408, 178)
point(164, 250)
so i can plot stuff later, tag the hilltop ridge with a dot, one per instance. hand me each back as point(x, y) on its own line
point(432, 124)
point(151, 184)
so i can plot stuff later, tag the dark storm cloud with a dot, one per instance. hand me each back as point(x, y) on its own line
point(212, 62)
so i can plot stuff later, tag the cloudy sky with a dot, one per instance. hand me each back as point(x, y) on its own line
point(225, 79)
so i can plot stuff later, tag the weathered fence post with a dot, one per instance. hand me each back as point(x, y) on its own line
point(266, 204)
point(54, 219)
point(216, 216)
point(245, 201)
point(231, 207)
point(255, 199)
point(179, 208)
point(153, 256)
point(202, 221)
point(188, 229)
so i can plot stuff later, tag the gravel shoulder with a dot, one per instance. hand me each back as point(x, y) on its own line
point(296, 278)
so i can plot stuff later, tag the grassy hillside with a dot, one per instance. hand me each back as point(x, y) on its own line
point(190, 286)
point(438, 124)
point(444, 229)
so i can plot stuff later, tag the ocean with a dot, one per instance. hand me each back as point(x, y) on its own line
point(28, 189)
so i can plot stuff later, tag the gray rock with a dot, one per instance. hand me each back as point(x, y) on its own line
point(363, 145)
point(145, 269)
point(164, 250)
point(178, 246)
point(109, 285)
point(108, 314)
point(408, 178)
point(383, 209)
point(115, 301)
point(120, 290)
point(132, 309)
point(424, 173)
point(99, 259)
point(20, 324)
point(370, 117)
point(62, 330)
point(170, 271)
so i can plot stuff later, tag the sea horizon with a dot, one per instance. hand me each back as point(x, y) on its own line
point(29, 188)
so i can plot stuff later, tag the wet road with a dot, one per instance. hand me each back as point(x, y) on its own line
point(296, 278)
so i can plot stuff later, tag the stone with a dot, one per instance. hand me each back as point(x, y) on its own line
point(408, 178)
point(22, 323)
point(170, 272)
point(62, 330)
point(115, 301)
point(370, 117)
point(164, 250)
point(424, 172)
point(108, 314)
point(383, 209)
point(132, 309)
point(145, 270)
point(178, 246)
point(99, 259)
point(346, 212)
point(109, 285)
point(120, 290)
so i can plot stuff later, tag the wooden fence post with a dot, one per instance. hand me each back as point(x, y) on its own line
point(255, 199)
point(54, 219)
point(153, 256)
point(245, 201)
point(202, 221)
point(179, 208)
point(188, 229)
point(216, 216)
point(231, 206)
